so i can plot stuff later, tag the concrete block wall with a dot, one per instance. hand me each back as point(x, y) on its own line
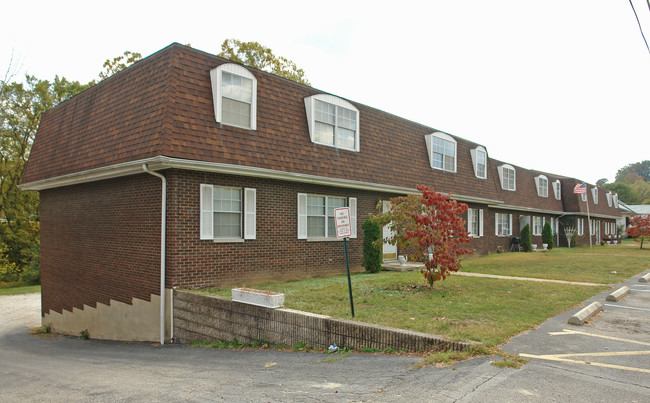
point(201, 317)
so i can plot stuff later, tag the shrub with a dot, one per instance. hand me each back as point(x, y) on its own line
point(371, 254)
point(547, 235)
point(525, 239)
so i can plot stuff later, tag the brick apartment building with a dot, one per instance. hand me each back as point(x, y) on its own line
point(248, 167)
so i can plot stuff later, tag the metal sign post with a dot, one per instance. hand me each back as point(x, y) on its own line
point(344, 230)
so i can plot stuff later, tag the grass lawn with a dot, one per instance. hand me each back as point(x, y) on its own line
point(20, 290)
point(486, 310)
point(593, 265)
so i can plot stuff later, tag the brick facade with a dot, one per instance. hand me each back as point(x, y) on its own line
point(100, 241)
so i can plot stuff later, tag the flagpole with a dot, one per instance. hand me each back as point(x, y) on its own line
point(588, 218)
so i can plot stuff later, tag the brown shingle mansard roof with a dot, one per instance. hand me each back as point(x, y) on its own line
point(163, 106)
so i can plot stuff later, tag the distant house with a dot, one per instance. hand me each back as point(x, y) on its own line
point(240, 170)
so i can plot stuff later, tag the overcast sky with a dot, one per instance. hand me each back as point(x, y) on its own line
point(561, 86)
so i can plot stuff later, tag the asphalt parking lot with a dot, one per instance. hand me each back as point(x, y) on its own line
point(604, 360)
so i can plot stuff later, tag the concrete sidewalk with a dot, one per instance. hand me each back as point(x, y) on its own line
point(543, 280)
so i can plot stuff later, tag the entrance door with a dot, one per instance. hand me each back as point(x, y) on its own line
point(388, 251)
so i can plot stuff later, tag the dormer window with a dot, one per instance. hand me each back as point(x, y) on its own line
point(479, 160)
point(609, 199)
point(442, 151)
point(234, 90)
point(541, 182)
point(557, 189)
point(594, 194)
point(332, 121)
point(507, 177)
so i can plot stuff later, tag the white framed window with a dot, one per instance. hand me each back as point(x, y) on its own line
point(234, 90)
point(507, 177)
point(227, 213)
point(594, 194)
point(316, 215)
point(581, 226)
point(475, 222)
point(557, 190)
point(503, 224)
point(479, 160)
point(442, 151)
point(332, 121)
point(541, 182)
point(615, 200)
point(583, 196)
point(538, 224)
point(608, 195)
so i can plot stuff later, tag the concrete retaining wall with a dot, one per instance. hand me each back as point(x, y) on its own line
point(200, 317)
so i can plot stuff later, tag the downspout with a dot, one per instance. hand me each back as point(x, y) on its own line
point(163, 230)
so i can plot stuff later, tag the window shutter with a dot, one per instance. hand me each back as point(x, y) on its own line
point(509, 224)
point(496, 223)
point(469, 222)
point(250, 212)
point(352, 204)
point(480, 222)
point(302, 216)
point(206, 212)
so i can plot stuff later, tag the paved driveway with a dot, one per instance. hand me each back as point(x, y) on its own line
point(69, 369)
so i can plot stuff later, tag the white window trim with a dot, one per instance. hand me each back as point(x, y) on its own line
point(473, 152)
point(429, 142)
point(615, 196)
point(537, 229)
point(249, 215)
point(470, 222)
point(330, 99)
point(215, 78)
point(302, 218)
point(581, 226)
point(503, 167)
point(540, 189)
point(557, 190)
point(609, 199)
point(496, 225)
point(594, 194)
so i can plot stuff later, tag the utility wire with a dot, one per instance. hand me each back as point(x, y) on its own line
point(639, 23)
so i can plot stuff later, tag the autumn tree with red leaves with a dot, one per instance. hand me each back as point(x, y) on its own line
point(640, 228)
point(429, 224)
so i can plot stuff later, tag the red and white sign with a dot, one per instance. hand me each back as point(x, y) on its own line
point(342, 222)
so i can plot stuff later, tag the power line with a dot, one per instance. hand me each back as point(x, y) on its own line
point(639, 23)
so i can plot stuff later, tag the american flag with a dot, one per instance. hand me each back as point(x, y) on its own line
point(581, 188)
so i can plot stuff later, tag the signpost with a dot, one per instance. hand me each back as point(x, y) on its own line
point(344, 230)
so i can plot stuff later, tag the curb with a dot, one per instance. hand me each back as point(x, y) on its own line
point(645, 279)
point(618, 294)
point(585, 313)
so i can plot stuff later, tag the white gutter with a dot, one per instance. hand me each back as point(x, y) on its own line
point(163, 230)
point(162, 162)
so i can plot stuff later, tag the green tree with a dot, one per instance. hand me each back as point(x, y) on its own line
point(641, 169)
point(625, 192)
point(526, 241)
point(119, 63)
point(547, 235)
point(21, 107)
point(371, 253)
point(260, 57)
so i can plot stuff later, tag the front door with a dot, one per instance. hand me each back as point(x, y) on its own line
point(389, 251)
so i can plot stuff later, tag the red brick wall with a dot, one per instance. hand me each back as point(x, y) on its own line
point(275, 254)
point(100, 241)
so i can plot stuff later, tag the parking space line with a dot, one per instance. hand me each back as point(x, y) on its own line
point(627, 307)
point(595, 364)
point(607, 354)
point(567, 332)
